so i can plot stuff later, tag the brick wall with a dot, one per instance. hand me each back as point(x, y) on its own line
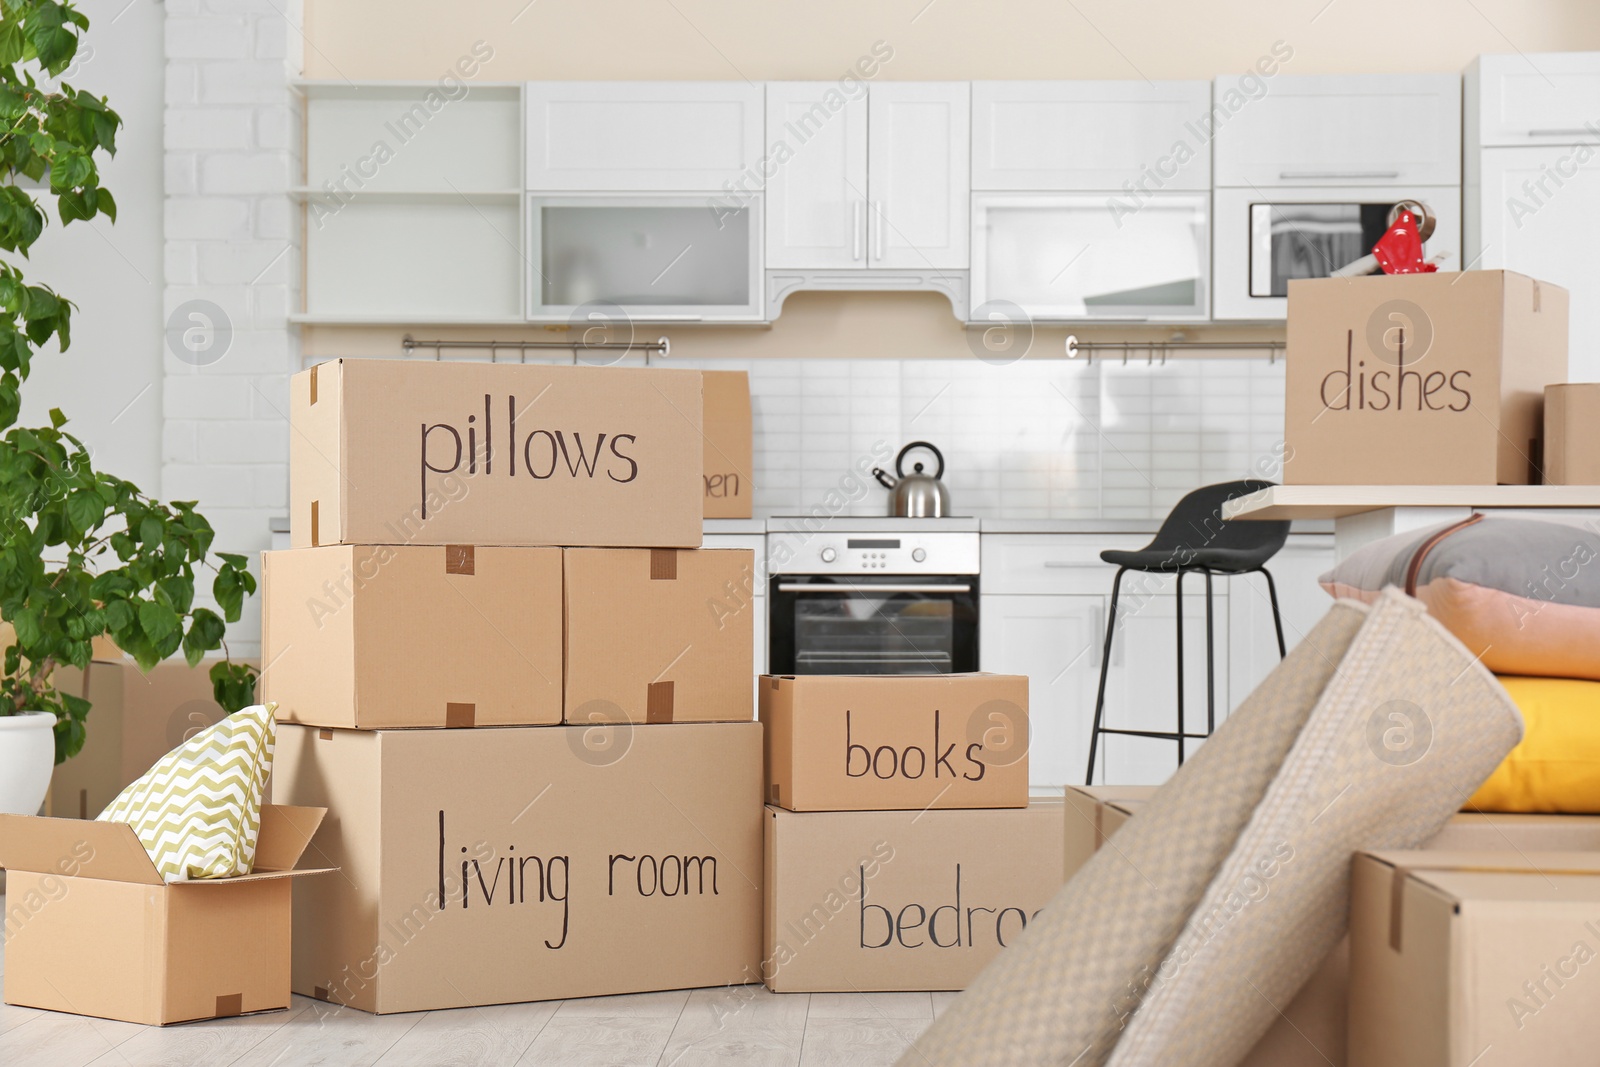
point(232, 147)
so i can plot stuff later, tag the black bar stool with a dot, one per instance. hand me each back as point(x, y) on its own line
point(1194, 537)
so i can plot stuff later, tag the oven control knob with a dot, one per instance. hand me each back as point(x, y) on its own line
point(829, 555)
point(919, 554)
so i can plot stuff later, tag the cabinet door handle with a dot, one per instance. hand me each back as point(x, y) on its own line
point(877, 229)
point(1335, 175)
point(1575, 131)
point(858, 217)
point(1054, 563)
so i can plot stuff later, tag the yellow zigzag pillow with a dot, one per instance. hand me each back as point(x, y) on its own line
point(198, 810)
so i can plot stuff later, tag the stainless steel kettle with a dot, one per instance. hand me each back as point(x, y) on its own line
point(915, 495)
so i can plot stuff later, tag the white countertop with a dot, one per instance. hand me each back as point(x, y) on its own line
point(873, 524)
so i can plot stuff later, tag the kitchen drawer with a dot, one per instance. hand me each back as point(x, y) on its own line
point(1339, 130)
point(1553, 98)
point(1034, 136)
point(1051, 564)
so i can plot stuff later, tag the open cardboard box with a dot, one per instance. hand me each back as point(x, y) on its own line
point(92, 929)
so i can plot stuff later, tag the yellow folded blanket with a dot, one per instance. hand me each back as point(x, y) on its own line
point(1556, 767)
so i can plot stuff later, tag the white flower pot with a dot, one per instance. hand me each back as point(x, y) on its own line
point(27, 756)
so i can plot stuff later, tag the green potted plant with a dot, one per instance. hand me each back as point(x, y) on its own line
point(82, 553)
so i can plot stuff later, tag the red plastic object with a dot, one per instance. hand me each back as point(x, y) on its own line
point(1400, 250)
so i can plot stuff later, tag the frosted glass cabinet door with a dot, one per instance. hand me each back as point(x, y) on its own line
point(817, 192)
point(1091, 256)
point(663, 259)
point(919, 174)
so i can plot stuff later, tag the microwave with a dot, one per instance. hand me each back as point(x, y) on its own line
point(1265, 238)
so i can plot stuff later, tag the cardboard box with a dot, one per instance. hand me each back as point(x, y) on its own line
point(900, 742)
point(1420, 379)
point(660, 635)
point(729, 459)
point(437, 453)
point(81, 787)
point(1572, 434)
point(507, 864)
point(1461, 958)
point(92, 929)
point(1094, 813)
point(162, 709)
point(375, 636)
point(901, 901)
point(1312, 1031)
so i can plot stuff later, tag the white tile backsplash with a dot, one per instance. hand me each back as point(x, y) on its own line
point(1041, 439)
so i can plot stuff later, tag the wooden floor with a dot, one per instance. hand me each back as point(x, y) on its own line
point(740, 1025)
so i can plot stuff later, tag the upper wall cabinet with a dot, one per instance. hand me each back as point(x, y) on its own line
point(1338, 130)
point(817, 203)
point(644, 136)
point(1515, 100)
point(1044, 136)
point(918, 159)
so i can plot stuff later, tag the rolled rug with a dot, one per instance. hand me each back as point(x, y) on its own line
point(1403, 734)
point(198, 810)
point(1063, 993)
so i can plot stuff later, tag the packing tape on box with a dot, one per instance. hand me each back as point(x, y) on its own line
point(663, 565)
point(1397, 883)
point(313, 385)
point(658, 702)
point(460, 716)
point(230, 1005)
point(460, 559)
point(315, 533)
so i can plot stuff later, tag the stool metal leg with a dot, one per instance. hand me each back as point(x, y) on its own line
point(1105, 665)
point(1277, 620)
point(1211, 659)
point(1183, 726)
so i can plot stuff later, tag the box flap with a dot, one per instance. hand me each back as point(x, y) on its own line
point(285, 834)
point(1433, 870)
point(256, 876)
point(83, 848)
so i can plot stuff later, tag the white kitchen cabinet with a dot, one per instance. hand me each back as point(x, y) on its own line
point(1037, 136)
point(1539, 98)
point(1253, 645)
point(604, 136)
point(918, 174)
point(1534, 210)
point(880, 182)
point(817, 194)
point(1338, 130)
point(1142, 684)
point(1055, 642)
point(1075, 256)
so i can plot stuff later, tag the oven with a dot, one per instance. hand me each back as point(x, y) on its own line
point(874, 602)
point(1266, 238)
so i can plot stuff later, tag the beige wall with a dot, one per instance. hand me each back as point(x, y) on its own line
point(941, 39)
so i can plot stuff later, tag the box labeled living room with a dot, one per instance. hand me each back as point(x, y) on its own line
point(933, 534)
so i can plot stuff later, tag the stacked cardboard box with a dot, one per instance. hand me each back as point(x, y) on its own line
point(902, 850)
point(505, 666)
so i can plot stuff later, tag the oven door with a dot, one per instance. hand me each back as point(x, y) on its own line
point(877, 624)
point(1267, 238)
